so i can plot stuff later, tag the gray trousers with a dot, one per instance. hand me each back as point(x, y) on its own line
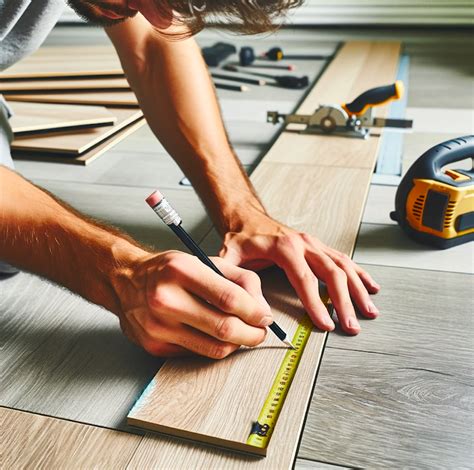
point(6, 136)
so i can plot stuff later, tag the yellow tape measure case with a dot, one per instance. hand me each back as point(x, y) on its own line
point(436, 206)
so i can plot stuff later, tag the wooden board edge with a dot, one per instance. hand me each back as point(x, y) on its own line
point(32, 130)
point(193, 437)
point(87, 147)
point(113, 73)
point(88, 157)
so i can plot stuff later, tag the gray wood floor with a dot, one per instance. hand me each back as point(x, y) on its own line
point(397, 396)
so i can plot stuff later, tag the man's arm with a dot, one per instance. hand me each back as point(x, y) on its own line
point(175, 91)
point(178, 99)
point(167, 302)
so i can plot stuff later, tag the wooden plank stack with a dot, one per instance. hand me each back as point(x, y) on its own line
point(69, 111)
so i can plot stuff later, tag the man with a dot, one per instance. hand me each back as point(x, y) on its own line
point(170, 303)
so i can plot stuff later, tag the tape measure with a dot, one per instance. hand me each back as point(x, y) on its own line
point(435, 205)
point(262, 429)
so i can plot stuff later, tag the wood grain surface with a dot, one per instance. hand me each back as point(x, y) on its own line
point(221, 401)
point(403, 390)
point(47, 62)
point(85, 157)
point(53, 86)
point(41, 442)
point(76, 142)
point(105, 98)
point(39, 117)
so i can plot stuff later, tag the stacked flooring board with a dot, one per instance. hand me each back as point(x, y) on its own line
point(58, 105)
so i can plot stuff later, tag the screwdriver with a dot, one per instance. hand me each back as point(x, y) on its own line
point(285, 81)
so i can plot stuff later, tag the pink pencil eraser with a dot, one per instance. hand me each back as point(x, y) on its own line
point(154, 198)
point(291, 67)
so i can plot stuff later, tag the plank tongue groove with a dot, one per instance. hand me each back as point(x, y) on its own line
point(223, 398)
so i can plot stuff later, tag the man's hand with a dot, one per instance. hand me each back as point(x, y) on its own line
point(171, 303)
point(305, 260)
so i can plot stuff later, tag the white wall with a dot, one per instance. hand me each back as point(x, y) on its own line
point(405, 12)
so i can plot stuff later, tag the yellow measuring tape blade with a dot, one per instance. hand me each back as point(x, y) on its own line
point(262, 430)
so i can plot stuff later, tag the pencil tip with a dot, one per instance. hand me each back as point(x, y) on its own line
point(289, 343)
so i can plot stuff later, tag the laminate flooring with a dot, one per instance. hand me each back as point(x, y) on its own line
point(398, 395)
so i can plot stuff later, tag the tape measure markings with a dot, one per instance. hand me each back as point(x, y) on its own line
point(263, 428)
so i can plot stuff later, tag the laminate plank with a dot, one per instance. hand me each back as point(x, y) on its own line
point(388, 245)
point(56, 61)
point(25, 86)
point(442, 120)
point(87, 157)
point(396, 414)
point(75, 142)
point(431, 312)
point(418, 143)
point(334, 87)
point(380, 202)
point(251, 110)
point(303, 464)
point(66, 357)
point(328, 203)
point(231, 393)
point(105, 98)
point(41, 442)
point(36, 117)
point(125, 208)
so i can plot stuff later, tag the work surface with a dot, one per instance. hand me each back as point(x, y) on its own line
point(399, 394)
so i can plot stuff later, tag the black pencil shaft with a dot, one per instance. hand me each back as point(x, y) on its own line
point(194, 247)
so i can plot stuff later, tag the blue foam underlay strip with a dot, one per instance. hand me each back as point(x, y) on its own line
point(390, 156)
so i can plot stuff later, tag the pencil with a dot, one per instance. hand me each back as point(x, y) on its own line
point(171, 218)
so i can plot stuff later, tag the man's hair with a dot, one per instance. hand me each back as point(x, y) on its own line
point(242, 16)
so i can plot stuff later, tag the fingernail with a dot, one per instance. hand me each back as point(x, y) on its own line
point(371, 308)
point(330, 325)
point(267, 320)
point(375, 285)
point(353, 323)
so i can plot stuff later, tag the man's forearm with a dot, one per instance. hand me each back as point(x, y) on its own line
point(176, 94)
point(42, 235)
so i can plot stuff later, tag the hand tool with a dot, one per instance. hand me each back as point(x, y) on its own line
point(348, 119)
point(284, 81)
point(215, 54)
point(247, 57)
point(234, 78)
point(171, 218)
point(227, 86)
point(276, 54)
point(433, 205)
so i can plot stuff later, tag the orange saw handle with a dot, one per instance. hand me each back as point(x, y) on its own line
point(374, 97)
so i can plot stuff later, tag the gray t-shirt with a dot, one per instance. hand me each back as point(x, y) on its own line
point(24, 25)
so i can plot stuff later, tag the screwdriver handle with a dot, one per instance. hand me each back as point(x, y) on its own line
point(374, 97)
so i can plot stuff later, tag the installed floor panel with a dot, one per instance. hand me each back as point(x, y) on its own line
point(387, 245)
point(125, 208)
point(62, 356)
point(400, 394)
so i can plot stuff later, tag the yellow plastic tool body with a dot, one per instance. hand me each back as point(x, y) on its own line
point(375, 97)
point(461, 201)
